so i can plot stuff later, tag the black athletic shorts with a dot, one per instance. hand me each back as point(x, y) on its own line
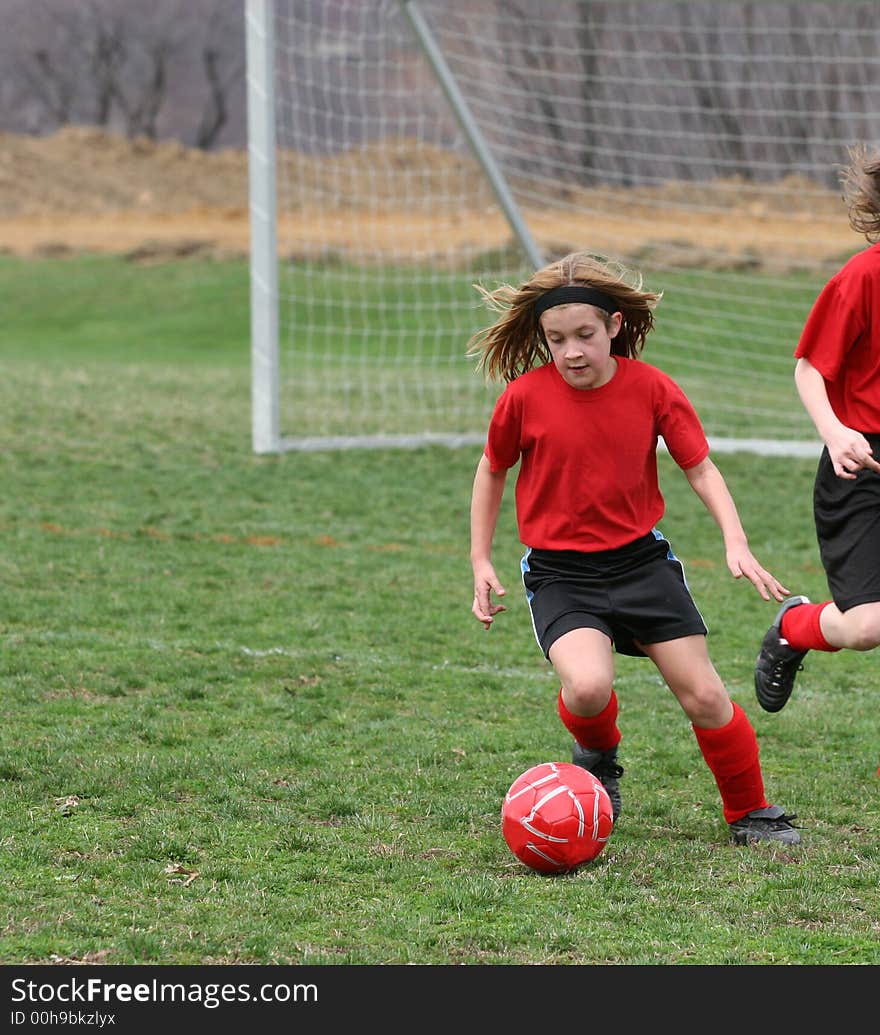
point(847, 515)
point(636, 592)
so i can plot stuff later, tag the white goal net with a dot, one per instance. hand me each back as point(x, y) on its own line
point(698, 142)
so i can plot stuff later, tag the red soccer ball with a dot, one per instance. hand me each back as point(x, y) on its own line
point(556, 817)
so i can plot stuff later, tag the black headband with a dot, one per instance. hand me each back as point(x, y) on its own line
point(574, 293)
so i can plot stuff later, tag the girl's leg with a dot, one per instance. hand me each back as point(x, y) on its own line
point(689, 673)
point(724, 734)
point(587, 705)
point(855, 629)
point(584, 662)
point(800, 627)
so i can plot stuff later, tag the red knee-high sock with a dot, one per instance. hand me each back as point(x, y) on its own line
point(598, 732)
point(731, 752)
point(800, 626)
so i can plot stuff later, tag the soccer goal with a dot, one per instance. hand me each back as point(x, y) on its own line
point(401, 151)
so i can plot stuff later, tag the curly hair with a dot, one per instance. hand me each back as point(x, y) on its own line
point(860, 181)
point(515, 342)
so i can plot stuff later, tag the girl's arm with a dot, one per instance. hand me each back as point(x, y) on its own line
point(849, 449)
point(707, 482)
point(486, 498)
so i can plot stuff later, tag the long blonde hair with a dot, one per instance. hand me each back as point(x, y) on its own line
point(515, 343)
point(861, 191)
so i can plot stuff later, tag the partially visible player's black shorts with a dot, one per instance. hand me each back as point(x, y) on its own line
point(847, 515)
point(636, 592)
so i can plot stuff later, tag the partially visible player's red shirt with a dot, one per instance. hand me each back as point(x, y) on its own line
point(588, 472)
point(841, 339)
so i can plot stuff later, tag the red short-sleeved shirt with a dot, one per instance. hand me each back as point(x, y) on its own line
point(841, 339)
point(588, 472)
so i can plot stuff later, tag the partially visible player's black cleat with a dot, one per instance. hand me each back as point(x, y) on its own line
point(605, 767)
point(770, 824)
point(777, 663)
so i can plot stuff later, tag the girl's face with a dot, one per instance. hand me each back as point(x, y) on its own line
point(580, 343)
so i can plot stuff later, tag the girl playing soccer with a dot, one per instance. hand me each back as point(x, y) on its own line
point(582, 416)
point(838, 380)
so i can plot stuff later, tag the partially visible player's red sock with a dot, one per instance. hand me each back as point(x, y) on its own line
point(731, 752)
point(598, 732)
point(800, 626)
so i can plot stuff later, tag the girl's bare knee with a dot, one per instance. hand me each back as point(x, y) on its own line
point(865, 635)
point(706, 706)
point(587, 696)
point(861, 627)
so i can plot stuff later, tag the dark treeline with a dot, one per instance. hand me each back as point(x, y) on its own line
point(620, 90)
point(163, 69)
point(601, 88)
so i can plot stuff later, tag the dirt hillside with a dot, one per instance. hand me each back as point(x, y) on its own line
point(81, 190)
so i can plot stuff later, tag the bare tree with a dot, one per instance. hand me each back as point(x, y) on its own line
point(45, 82)
point(107, 59)
point(221, 43)
point(216, 112)
point(139, 97)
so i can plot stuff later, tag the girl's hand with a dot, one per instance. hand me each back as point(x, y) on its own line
point(741, 563)
point(850, 451)
point(485, 583)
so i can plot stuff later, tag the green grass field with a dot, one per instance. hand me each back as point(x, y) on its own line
point(249, 717)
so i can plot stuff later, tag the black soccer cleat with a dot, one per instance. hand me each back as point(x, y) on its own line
point(770, 824)
point(777, 663)
point(605, 767)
